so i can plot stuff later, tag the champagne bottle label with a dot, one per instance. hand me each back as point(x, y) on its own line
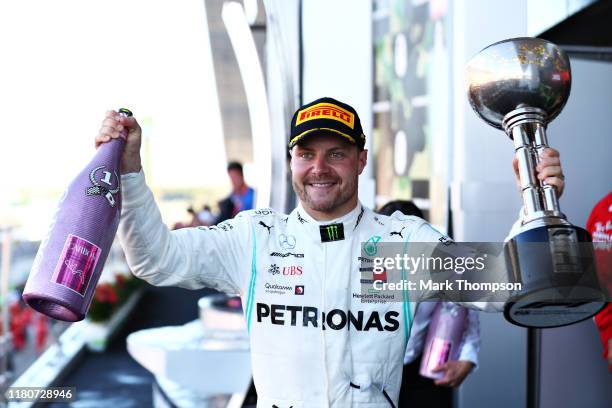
point(76, 264)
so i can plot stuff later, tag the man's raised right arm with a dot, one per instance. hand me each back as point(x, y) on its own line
point(191, 257)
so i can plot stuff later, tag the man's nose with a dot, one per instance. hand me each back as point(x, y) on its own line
point(320, 164)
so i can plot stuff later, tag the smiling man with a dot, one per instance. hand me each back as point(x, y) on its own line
point(325, 170)
point(316, 339)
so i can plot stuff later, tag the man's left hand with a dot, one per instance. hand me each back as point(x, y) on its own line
point(454, 372)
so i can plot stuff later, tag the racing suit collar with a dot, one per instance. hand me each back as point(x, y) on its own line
point(350, 221)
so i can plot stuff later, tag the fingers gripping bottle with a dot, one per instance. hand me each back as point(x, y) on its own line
point(444, 336)
point(70, 258)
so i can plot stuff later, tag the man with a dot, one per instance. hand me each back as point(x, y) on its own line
point(599, 225)
point(242, 197)
point(418, 391)
point(315, 339)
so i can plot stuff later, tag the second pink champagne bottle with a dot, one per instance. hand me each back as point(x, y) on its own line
point(444, 336)
point(71, 257)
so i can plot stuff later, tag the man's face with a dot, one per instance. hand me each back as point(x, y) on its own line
point(236, 178)
point(324, 173)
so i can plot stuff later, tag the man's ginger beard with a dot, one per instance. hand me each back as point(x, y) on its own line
point(333, 201)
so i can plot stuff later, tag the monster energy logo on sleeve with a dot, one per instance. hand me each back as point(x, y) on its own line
point(333, 232)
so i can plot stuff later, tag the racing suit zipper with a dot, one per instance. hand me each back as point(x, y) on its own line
point(323, 305)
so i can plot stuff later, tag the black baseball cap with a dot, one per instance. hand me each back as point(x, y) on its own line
point(326, 116)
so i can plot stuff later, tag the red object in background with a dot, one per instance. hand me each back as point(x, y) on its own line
point(20, 318)
point(599, 226)
point(599, 223)
point(19, 321)
point(42, 330)
point(105, 293)
point(120, 280)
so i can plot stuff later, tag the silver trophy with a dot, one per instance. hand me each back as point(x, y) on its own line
point(520, 85)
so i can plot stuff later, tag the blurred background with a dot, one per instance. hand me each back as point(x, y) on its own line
point(215, 81)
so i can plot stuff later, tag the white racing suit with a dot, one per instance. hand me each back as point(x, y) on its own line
point(315, 340)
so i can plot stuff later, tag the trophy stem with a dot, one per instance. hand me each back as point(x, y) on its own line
point(526, 126)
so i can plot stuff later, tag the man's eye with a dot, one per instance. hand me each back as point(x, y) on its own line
point(337, 155)
point(306, 155)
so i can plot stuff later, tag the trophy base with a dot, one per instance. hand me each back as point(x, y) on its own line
point(530, 310)
point(556, 266)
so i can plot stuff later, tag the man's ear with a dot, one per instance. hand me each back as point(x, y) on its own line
point(363, 160)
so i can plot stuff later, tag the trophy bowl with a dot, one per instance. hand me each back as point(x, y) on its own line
point(518, 72)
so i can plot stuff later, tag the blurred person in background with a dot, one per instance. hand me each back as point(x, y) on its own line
point(241, 198)
point(226, 209)
point(418, 391)
point(194, 220)
point(599, 226)
point(206, 216)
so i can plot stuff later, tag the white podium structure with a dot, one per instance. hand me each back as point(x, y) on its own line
point(204, 363)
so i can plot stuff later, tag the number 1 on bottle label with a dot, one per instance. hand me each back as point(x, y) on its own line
point(106, 179)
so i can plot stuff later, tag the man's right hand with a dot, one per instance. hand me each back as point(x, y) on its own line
point(111, 128)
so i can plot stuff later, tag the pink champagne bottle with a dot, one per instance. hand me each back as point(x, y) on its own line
point(70, 259)
point(444, 336)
